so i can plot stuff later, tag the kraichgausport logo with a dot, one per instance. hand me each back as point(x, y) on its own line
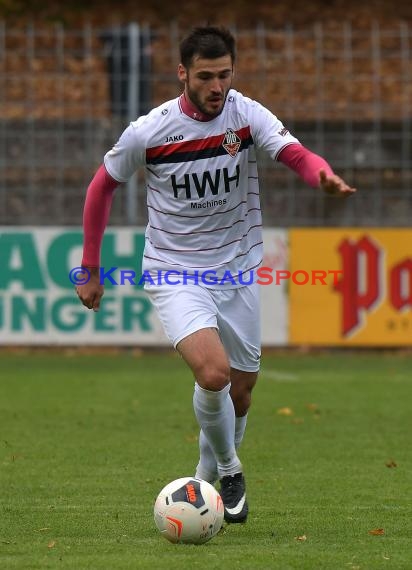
point(262, 276)
point(231, 142)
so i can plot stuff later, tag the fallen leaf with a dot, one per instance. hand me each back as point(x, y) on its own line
point(377, 531)
point(191, 438)
point(51, 544)
point(312, 407)
point(43, 529)
point(297, 421)
point(285, 412)
point(301, 538)
point(391, 463)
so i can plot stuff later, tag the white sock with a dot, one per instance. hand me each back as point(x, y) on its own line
point(207, 466)
point(216, 416)
point(240, 426)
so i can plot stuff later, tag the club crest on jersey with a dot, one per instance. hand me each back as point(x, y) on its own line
point(231, 142)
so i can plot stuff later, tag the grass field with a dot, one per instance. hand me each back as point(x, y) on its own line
point(86, 443)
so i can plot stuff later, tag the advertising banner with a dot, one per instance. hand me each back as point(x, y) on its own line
point(38, 304)
point(351, 287)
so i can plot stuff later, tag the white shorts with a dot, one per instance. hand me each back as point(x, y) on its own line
point(235, 313)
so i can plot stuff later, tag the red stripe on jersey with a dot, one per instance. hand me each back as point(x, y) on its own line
point(197, 144)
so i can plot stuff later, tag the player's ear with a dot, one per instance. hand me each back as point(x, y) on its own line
point(181, 73)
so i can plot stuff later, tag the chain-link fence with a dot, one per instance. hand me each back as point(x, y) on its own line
point(66, 95)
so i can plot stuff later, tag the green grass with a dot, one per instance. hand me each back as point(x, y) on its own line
point(86, 443)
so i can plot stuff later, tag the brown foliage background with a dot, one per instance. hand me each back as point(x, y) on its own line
point(237, 12)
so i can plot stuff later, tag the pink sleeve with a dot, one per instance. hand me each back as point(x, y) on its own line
point(96, 214)
point(305, 163)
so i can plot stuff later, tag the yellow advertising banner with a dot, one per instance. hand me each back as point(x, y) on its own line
point(351, 286)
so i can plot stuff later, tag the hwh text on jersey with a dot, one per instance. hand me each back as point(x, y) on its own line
point(200, 183)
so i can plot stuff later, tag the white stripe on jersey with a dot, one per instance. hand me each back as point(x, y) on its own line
point(202, 183)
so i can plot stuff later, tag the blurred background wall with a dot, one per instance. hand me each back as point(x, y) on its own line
point(338, 74)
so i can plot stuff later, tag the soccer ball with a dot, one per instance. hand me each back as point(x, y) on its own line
point(189, 511)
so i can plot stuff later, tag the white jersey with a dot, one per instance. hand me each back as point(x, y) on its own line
point(202, 184)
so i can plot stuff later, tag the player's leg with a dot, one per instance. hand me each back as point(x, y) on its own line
point(213, 405)
point(239, 328)
point(206, 357)
point(233, 488)
point(242, 384)
point(188, 316)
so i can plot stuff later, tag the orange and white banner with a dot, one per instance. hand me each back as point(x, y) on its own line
point(365, 295)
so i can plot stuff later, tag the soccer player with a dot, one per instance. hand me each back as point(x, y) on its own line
point(204, 223)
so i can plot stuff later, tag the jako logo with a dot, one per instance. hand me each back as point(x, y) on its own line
point(174, 138)
point(363, 279)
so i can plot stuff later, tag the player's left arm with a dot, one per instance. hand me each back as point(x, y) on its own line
point(314, 170)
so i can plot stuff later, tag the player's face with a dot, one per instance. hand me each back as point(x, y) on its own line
point(207, 82)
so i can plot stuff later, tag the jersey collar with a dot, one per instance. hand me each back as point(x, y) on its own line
point(191, 111)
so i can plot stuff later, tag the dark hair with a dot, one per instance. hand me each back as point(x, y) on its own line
point(208, 42)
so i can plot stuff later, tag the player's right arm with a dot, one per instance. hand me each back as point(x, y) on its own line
point(96, 214)
point(119, 165)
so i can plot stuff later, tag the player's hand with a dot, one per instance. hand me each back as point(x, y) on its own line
point(334, 185)
point(90, 293)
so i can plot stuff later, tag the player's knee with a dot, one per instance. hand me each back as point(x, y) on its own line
point(214, 377)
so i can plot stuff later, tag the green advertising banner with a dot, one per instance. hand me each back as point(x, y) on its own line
point(38, 303)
